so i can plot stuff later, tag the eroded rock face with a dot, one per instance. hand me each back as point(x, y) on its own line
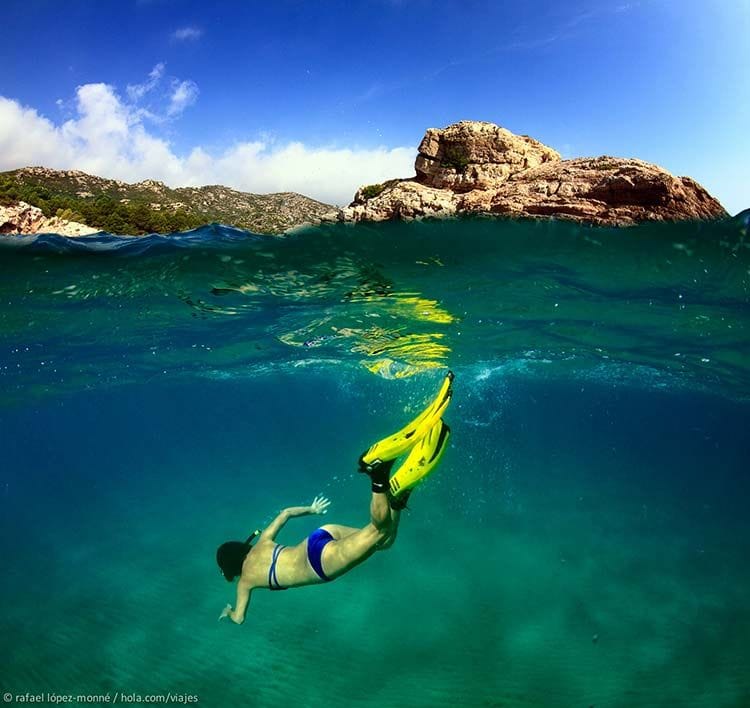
point(605, 190)
point(474, 155)
point(26, 219)
point(403, 199)
point(473, 167)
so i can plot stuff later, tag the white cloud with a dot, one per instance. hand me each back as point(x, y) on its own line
point(184, 94)
point(107, 137)
point(329, 174)
point(187, 33)
point(138, 91)
point(28, 138)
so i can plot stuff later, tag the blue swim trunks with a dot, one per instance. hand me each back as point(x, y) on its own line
point(316, 542)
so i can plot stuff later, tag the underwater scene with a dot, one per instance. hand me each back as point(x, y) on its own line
point(584, 541)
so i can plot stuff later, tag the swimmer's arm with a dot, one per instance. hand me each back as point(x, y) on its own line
point(319, 506)
point(237, 615)
point(269, 533)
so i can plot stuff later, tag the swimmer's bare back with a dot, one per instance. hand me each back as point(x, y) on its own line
point(328, 552)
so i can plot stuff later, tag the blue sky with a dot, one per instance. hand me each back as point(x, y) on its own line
point(320, 97)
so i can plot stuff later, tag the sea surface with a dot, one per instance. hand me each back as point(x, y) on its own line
point(585, 541)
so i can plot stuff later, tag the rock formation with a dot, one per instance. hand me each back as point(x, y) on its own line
point(26, 219)
point(474, 167)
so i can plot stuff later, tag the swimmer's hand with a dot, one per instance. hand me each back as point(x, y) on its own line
point(226, 612)
point(320, 505)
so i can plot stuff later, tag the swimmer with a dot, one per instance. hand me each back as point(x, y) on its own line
point(333, 549)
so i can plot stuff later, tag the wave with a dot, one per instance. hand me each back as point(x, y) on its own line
point(222, 235)
point(104, 242)
point(657, 302)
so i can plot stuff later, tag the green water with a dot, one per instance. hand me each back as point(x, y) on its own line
point(584, 542)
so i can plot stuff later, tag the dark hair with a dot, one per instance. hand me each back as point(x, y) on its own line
point(230, 556)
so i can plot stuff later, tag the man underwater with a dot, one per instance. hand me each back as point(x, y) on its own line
point(332, 550)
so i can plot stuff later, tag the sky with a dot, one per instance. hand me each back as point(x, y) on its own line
point(321, 97)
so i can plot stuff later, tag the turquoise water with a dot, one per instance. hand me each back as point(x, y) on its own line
point(583, 543)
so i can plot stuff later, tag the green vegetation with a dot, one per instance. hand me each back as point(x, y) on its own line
point(372, 190)
point(456, 158)
point(101, 212)
point(604, 164)
point(151, 206)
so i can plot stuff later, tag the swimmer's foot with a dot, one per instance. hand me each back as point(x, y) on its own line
point(378, 473)
point(388, 449)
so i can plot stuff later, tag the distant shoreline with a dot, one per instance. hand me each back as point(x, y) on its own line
point(74, 203)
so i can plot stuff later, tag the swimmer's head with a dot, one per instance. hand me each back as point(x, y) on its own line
point(230, 556)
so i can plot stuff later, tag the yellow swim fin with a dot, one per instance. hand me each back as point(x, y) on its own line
point(422, 460)
point(397, 444)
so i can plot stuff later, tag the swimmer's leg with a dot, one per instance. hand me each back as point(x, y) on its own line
point(387, 519)
point(380, 508)
point(380, 511)
point(342, 555)
point(390, 539)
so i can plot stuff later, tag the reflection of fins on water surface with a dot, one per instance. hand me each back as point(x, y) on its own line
point(395, 445)
point(422, 460)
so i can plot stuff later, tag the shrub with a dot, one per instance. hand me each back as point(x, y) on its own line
point(454, 157)
point(372, 190)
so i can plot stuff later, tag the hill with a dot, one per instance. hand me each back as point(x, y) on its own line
point(151, 206)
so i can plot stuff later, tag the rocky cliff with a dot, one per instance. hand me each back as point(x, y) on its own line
point(474, 167)
point(23, 218)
